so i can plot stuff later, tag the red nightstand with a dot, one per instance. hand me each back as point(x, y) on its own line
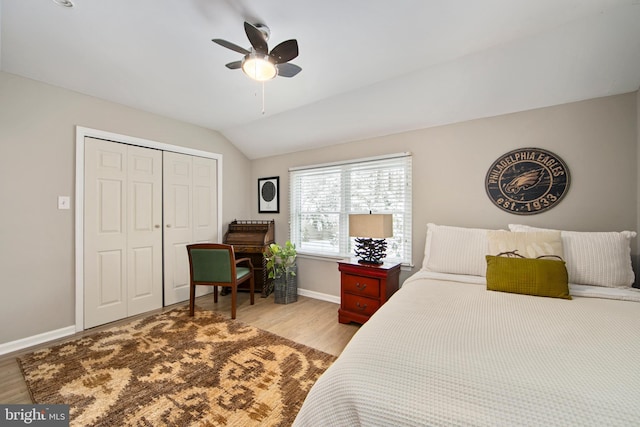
point(364, 288)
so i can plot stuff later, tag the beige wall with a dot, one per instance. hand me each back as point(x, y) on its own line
point(37, 164)
point(598, 139)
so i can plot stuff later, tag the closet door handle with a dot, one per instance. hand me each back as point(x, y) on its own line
point(168, 225)
point(156, 226)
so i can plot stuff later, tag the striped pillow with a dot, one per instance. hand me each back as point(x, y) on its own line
point(595, 258)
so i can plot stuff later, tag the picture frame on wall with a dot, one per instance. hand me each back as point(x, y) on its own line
point(269, 195)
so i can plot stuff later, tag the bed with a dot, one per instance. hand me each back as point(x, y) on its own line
point(445, 350)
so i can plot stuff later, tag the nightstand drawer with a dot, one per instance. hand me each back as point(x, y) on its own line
point(366, 286)
point(360, 305)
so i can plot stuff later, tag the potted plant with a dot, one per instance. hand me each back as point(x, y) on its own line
point(282, 268)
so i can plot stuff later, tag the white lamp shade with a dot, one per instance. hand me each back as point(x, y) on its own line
point(375, 226)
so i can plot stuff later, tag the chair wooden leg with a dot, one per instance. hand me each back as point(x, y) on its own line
point(192, 299)
point(234, 297)
point(252, 287)
point(215, 294)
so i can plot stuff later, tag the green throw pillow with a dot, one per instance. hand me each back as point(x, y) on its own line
point(530, 276)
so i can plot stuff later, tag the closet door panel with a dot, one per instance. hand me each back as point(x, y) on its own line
point(205, 214)
point(205, 206)
point(105, 231)
point(178, 225)
point(190, 215)
point(144, 237)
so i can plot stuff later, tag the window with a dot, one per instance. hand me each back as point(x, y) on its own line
point(323, 196)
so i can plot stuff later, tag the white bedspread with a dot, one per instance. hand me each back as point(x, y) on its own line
point(445, 353)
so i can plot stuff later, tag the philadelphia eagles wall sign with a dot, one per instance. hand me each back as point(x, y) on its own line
point(527, 181)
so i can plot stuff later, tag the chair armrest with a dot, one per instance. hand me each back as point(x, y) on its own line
point(247, 260)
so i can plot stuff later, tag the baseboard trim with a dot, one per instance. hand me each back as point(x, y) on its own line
point(36, 339)
point(317, 295)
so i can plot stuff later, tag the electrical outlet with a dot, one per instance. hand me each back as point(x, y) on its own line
point(64, 202)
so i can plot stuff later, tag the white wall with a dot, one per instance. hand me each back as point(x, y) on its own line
point(37, 164)
point(598, 139)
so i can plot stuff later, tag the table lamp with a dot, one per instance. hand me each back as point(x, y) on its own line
point(370, 231)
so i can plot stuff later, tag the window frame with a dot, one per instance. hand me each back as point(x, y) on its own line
point(346, 169)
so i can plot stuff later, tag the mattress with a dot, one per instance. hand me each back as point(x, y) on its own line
point(443, 352)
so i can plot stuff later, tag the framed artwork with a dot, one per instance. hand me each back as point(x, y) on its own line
point(269, 195)
point(527, 181)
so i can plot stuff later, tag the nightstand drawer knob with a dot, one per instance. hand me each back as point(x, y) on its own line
point(361, 307)
point(361, 286)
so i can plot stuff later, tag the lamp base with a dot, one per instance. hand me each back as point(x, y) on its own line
point(365, 262)
point(370, 251)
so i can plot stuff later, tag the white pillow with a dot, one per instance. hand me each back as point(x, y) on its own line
point(595, 258)
point(455, 250)
point(529, 245)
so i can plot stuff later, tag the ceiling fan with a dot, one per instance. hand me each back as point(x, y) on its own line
point(258, 63)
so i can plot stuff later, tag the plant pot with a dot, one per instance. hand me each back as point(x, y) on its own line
point(285, 287)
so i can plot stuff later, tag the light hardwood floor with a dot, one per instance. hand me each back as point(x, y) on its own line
point(307, 321)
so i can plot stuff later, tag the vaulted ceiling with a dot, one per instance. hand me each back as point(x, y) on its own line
point(369, 67)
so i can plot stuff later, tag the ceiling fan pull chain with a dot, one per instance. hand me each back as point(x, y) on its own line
point(262, 98)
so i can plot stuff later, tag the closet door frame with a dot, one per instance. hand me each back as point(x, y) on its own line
point(81, 134)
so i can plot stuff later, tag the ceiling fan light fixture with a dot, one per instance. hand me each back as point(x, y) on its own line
point(259, 67)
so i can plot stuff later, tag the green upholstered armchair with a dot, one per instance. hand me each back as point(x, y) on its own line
point(214, 264)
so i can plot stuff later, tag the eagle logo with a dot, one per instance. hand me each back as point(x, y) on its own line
point(524, 181)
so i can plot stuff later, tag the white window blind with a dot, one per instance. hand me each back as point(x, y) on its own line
point(323, 196)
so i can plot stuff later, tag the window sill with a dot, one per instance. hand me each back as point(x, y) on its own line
point(318, 257)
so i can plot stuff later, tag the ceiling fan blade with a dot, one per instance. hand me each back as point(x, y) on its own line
point(234, 65)
point(256, 37)
point(231, 46)
point(288, 70)
point(285, 51)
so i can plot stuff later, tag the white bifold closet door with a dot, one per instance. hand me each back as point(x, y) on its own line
point(190, 206)
point(123, 234)
point(142, 207)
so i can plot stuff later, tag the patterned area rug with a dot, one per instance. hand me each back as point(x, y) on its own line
point(172, 369)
